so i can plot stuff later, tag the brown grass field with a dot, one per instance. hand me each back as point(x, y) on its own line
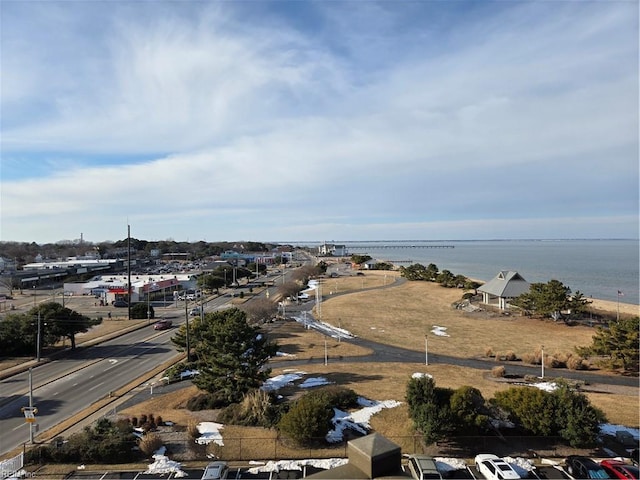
point(399, 315)
point(402, 315)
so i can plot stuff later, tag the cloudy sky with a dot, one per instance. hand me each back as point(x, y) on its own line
point(341, 120)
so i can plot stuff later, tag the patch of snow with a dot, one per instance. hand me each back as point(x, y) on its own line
point(209, 432)
point(522, 466)
point(546, 386)
point(444, 464)
point(440, 331)
point(279, 381)
point(284, 354)
point(324, 328)
point(358, 420)
point(162, 465)
point(280, 465)
point(421, 375)
point(314, 382)
point(189, 374)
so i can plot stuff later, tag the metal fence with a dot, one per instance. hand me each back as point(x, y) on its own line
point(276, 448)
point(12, 465)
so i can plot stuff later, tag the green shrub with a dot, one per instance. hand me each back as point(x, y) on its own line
point(307, 421)
point(336, 396)
point(206, 401)
point(139, 311)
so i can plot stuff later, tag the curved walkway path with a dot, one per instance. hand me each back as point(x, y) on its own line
point(388, 353)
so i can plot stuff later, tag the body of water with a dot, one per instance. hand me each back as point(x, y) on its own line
point(597, 268)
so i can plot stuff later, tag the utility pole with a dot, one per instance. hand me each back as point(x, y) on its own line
point(38, 338)
point(186, 316)
point(426, 350)
point(129, 271)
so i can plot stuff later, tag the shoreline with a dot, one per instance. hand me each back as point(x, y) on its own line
point(609, 306)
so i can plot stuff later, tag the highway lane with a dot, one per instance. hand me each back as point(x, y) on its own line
point(66, 395)
point(64, 387)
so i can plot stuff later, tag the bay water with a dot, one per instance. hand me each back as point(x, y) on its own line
point(597, 268)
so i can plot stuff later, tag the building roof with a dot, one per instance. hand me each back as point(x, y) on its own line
point(507, 284)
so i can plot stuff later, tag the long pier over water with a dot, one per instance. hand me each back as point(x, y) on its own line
point(376, 247)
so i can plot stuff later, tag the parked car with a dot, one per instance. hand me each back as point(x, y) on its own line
point(583, 467)
point(625, 439)
point(194, 312)
point(120, 303)
point(215, 471)
point(162, 324)
point(423, 467)
point(493, 467)
point(619, 469)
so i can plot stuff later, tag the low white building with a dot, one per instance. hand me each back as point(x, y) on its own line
point(333, 250)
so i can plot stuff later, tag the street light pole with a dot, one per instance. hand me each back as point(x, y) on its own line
point(148, 305)
point(38, 339)
point(426, 350)
point(186, 316)
point(542, 360)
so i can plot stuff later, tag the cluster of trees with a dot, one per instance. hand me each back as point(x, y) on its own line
point(430, 273)
point(230, 354)
point(360, 259)
point(618, 343)
point(19, 332)
point(107, 442)
point(24, 252)
point(552, 299)
point(440, 412)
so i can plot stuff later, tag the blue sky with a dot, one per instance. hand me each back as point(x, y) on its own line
point(343, 120)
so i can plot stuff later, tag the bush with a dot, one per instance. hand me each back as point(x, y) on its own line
point(206, 401)
point(149, 444)
point(337, 396)
point(498, 372)
point(575, 362)
point(192, 430)
point(488, 352)
point(308, 420)
point(139, 311)
point(510, 356)
point(256, 409)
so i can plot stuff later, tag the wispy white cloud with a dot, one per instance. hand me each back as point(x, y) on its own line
point(212, 120)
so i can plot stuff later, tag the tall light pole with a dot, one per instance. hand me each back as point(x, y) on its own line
point(148, 304)
point(186, 316)
point(426, 350)
point(542, 360)
point(38, 338)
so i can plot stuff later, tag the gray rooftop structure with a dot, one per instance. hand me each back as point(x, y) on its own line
point(503, 287)
point(371, 456)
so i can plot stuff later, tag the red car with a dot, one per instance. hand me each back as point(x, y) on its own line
point(619, 469)
point(162, 325)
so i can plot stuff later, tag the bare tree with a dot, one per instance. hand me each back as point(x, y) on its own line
point(259, 310)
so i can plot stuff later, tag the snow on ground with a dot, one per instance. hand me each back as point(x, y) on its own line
point(162, 465)
point(421, 375)
point(444, 464)
point(210, 432)
point(522, 466)
point(358, 420)
point(314, 382)
point(546, 386)
point(277, 466)
point(279, 381)
point(440, 331)
point(283, 354)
